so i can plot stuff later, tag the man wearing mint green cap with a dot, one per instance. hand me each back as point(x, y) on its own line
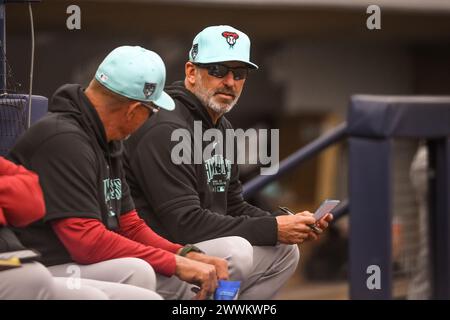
point(91, 229)
point(137, 74)
point(221, 44)
point(201, 202)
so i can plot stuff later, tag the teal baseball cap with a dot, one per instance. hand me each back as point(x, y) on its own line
point(220, 44)
point(136, 73)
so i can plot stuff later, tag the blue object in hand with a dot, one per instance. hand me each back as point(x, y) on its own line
point(227, 290)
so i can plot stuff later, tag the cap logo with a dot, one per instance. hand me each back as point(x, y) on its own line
point(194, 51)
point(149, 89)
point(103, 77)
point(231, 37)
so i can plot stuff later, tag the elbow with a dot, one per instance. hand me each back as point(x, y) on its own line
point(39, 207)
point(34, 211)
point(80, 237)
point(37, 199)
point(184, 237)
point(34, 204)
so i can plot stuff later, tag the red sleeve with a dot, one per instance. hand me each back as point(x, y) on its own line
point(88, 241)
point(134, 228)
point(21, 196)
point(2, 218)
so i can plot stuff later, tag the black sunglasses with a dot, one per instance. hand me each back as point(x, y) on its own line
point(219, 70)
point(151, 106)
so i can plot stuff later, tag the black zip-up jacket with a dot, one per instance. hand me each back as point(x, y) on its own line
point(80, 173)
point(189, 203)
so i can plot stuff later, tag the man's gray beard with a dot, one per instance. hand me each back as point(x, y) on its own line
point(206, 97)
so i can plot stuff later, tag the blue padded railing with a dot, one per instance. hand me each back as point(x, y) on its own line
point(14, 116)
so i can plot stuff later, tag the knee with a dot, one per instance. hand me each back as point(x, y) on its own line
point(291, 256)
point(142, 274)
point(239, 257)
point(38, 282)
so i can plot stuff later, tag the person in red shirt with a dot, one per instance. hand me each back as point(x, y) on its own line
point(21, 203)
point(91, 222)
point(21, 198)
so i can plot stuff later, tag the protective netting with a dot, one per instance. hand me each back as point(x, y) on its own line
point(410, 221)
point(13, 108)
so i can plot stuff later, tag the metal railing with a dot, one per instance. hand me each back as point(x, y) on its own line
point(326, 140)
point(313, 148)
point(373, 122)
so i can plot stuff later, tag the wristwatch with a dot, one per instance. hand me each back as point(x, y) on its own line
point(189, 248)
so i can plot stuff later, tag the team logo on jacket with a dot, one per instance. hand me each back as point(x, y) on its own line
point(231, 37)
point(194, 51)
point(218, 173)
point(112, 189)
point(149, 89)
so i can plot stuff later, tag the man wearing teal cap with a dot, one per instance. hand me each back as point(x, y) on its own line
point(202, 202)
point(91, 227)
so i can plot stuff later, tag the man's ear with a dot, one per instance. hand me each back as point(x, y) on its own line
point(190, 71)
point(132, 109)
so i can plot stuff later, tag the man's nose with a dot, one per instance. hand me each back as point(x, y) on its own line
point(228, 79)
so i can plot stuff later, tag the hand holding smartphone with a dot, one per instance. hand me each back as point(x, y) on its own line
point(324, 208)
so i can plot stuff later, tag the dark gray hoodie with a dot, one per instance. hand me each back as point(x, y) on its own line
point(189, 203)
point(80, 173)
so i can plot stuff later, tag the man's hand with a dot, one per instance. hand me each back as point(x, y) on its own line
point(220, 264)
point(293, 229)
point(201, 274)
point(322, 224)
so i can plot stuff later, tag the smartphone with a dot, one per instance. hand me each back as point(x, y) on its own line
point(324, 208)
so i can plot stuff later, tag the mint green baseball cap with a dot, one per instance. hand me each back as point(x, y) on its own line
point(136, 73)
point(220, 44)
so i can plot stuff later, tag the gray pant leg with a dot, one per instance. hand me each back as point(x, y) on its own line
point(62, 291)
point(272, 267)
point(262, 270)
point(32, 281)
point(130, 271)
point(172, 288)
point(237, 251)
point(87, 289)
